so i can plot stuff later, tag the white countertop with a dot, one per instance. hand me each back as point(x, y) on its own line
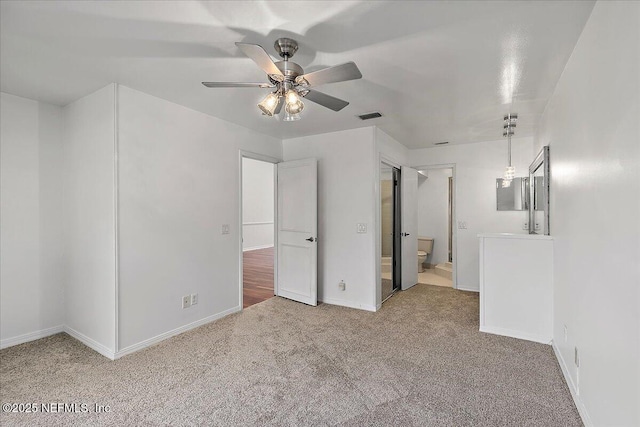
point(515, 236)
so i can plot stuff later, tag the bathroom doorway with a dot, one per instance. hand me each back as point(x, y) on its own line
point(436, 216)
point(390, 268)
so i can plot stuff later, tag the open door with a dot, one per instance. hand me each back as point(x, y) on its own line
point(297, 231)
point(409, 214)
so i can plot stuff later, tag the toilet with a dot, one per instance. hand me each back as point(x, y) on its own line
point(425, 246)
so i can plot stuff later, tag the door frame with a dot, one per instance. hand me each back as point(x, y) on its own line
point(378, 225)
point(268, 159)
point(454, 218)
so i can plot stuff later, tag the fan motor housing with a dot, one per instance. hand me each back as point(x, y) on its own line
point(290, 69)
point(286, 47)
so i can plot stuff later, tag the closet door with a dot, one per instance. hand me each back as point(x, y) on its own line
point(409, 214)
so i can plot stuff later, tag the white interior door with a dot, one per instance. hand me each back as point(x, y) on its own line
point(409, 220)
point(297, 227)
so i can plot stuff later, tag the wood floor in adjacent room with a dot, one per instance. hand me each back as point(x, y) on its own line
point(419, 361)
point(257, 276)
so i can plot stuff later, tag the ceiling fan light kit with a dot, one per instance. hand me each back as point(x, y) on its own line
point(290, 82)
point(293, 103)
point(269, 104)
point(288, 117)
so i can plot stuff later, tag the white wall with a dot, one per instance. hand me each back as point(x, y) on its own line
point(90, 235)
point(390, 149)
point(179, 182)
point(31, 282)
point(476, 168)
point(592, 126)
point(345, 198)
point(257, 204)
point(433, 212)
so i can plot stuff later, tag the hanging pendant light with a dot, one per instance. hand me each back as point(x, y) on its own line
point(509, 125)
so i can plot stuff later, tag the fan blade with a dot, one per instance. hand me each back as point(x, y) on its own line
point(262, 58)
point(339, 73)
point(325, 100)
point(237, 84)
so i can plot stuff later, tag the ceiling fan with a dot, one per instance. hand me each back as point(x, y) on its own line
point(290, 82)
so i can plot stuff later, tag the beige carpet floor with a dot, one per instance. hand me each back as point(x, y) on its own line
point(420, 360)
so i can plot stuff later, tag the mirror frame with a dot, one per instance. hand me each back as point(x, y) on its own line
point(541, 161)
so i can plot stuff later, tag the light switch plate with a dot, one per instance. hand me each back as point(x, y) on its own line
point(225, 228)
point(362, 227)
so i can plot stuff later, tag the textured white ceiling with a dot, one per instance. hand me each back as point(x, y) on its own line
point(437, 71)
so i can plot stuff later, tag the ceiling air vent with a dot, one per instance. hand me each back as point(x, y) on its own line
point(370, 116)
point(441, 143)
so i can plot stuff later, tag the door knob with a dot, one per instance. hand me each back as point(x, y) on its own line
point(310, 239)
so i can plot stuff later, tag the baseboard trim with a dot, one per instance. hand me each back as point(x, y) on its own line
point(462, 288)
point(158, 338)
point(90, 342)
point(586, 419)
point(31, 336)
point(332, 301)
point(255, 248)
point(515, 334)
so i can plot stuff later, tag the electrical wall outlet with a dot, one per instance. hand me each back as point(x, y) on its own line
point(342, 285)
point(225, 228)
point(525, 225)
point(462, 225)
point(537, 226)
point(186, 301)
point(362, 227)
point(194, 299)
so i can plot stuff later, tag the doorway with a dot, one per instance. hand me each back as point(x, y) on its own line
point(436, 210)
point(390, 267)
point(258, 231)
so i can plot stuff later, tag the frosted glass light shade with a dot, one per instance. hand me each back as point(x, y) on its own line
point(288, 117)
point(293, 104)
point(292, 96)
point(269, 104)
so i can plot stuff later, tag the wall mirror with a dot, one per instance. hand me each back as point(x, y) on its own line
point(539, 193)
point(512, 196)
